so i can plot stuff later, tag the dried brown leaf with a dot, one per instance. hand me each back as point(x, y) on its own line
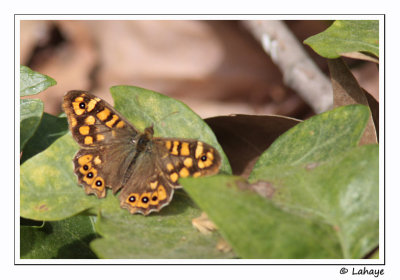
point(245, 137)
point(346, 91)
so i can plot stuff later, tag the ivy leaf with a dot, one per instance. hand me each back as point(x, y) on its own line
point(347, 36)
point(48, 185)
point(168, 234)
point(64, 239)
point(317, 139)
point(31, 114)
point(32, 82)
point(50, 129)
point(307, 201)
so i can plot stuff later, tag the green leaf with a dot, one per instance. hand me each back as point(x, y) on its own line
point(304, 214)
point(48, 185)
point(31, 114)
point(312, 203)
point(170, 117)
point(49, 189)
point(32, 82)
point(317, 139)
point(50, 129)
point(168, 234)
point(345, 36)
point(65, 239)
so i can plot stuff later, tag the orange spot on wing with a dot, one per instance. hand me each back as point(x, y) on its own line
point(111, 122)
point(73, 121)
point(103, 115)
point(92, 103)
point(175, 148)
point(97, 160)
point(154, 200)
point(153, 185)
point(174, 177)
point(162, 193)
point(184, 172)
point(168, 144)
point(185, 149)
point(88, 140)
point(199, 149)
point(83, 171)
point(188, 162)
point(136, 199)
point(85, 159)
point(99, 137)
point(90, 120)
point(79, 111)
point(100, 186)
point(89, 180)
point(120, 124)
point(143, 204)
point(170, 166)
point(84, 130)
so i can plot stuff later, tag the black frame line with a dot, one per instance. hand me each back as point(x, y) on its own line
point(225, 264)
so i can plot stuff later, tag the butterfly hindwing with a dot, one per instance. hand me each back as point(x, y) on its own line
point(108, 164)
point(146, 194)
point(156, 174)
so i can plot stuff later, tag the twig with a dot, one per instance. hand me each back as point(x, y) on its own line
point(299, 71)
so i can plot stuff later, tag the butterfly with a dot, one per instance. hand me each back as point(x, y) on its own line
point(114, 154)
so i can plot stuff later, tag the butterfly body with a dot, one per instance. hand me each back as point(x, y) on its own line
point(114, 154)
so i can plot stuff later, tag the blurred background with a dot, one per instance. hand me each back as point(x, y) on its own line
point(215, 67)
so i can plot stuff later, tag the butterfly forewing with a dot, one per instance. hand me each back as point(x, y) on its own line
point(182, 158)
point(93, 122)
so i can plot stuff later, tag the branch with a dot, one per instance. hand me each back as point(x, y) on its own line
point(299, 71)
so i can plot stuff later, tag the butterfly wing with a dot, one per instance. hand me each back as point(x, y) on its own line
point(155, 176)
point(106, 139)
point(94, 123)
point(147, 189)
point(185, 157)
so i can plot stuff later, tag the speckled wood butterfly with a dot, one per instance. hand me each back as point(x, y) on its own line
point(116, 155)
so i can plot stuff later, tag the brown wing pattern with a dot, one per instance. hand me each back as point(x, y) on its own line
point(181, 158)
point(94, 123)
point(151, 185)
